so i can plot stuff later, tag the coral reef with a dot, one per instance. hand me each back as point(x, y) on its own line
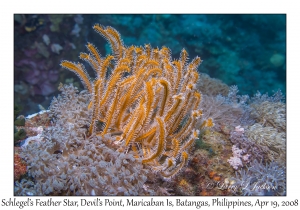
point(273, 142)
point(146, 124)
point(271, 114)
point(149, 102)
point(250, 148)
point(20, 167)
point(221, 112)
point(19, 133)
point(65, 161)
point(208, 169)
point(261, 179)
point(230, 110)
point(211, 86)
point(238, 156)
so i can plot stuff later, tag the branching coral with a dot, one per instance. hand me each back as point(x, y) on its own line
point(250, 148)
point(269, 131)
point(238, 156)
point(211, 86)
point(260, 179)
point(148, 102)
point(270, 113)
point(270, 139)
point(231, 110)
point(222, 112)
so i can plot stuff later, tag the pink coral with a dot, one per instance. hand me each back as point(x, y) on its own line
point(236, 160)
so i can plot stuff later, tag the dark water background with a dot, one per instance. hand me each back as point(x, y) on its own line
point(244, 50)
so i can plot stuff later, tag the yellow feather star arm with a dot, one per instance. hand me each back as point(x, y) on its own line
point(125, 100)
point(161, 142)
point(113, 81)
point(105, 65)
point(145, 98)
point(95, 102)
point(109, 37)
point(148, 50)
point(178, 98)
point(79, 70)
point(90, 60)
point(166, 53)
point(183, 57)
point(149, 102)
point(184, 160)
point(93, 50)
point(147, 134)
point(174, 152)
point(109, 116)
point(179, 75)
point(154, 71)
point(115, 34)
point(165, 95)
point(136, 125)
point(207, 123)
point(132, 119)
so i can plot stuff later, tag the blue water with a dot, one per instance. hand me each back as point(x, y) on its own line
point(244, 50)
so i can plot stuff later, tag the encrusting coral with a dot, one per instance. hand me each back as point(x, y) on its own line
point(148, 102)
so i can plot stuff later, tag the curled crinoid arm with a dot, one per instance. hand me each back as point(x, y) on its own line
point(80, 71)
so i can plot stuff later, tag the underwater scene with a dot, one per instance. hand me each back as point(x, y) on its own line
point(154, 104)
